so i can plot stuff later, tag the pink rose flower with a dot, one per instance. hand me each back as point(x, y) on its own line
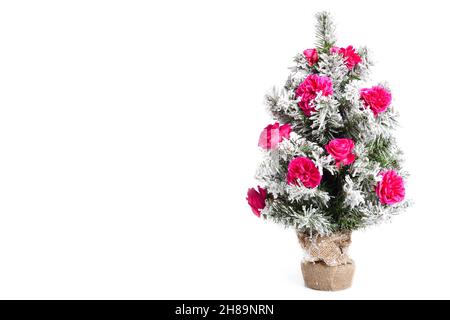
point(273, 134)
point(390, 189)
point(311, 56)
point(303, 169)
point(341, 151)
point(334, 50)
point(308, 90)
point(257, 200)
point(350, 55)
point(376, 98)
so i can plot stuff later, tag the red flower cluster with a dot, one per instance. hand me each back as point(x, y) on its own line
point(304, 170)
point(391, 188)
point(376, 98)
point(341, 151)
point(273, 134)
point(257, 200)
point(308, 90)
point(351, 56)
point(311, 56)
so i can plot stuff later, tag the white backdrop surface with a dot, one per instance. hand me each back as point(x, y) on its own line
point(128, 139)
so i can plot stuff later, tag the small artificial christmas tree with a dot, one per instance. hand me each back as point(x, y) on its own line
point(331, 164)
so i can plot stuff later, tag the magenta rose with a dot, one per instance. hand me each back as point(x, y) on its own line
point(311, 56)
point(273, 134)
point(308, 90)
point(376, 98)
point(257, 200)
point(341, 151)
point(303, 169)
point(391, 188)
point(335, 50)
point(351, 56)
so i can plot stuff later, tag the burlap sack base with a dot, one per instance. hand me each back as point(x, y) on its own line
point(331, 249)
point(319, 276)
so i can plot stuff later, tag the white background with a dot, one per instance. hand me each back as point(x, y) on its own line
point(128, 139)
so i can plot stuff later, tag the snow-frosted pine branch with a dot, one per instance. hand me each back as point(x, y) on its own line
point(325, 28)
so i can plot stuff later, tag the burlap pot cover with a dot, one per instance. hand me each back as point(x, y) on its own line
point(327, 266)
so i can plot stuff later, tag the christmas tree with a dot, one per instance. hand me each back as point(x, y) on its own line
point(330, 161)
